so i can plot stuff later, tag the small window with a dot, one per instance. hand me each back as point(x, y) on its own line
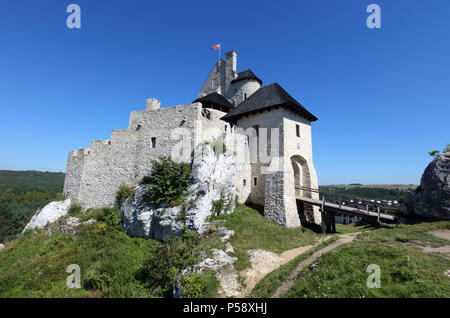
point(245, 96)
point(225, 127)
point(297, 130)
point(153, 142)
point(244, 182)
point(255, 181)
point(138, 127)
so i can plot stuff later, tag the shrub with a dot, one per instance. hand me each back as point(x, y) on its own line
point(111, 217)
point(218, 206)
point(74, 210)
point(434, 153)
point(166, 260)
point(167, 182)
point(123, 193)
point(199, 285)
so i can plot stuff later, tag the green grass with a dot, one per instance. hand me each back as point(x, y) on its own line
point(253, 231)
point(417, 234)
point(272, 281)
point(109, 258)
point(406, 271)
point(112, 263)
point(354, 227)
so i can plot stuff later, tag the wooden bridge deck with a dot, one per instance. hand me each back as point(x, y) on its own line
point(351, 210)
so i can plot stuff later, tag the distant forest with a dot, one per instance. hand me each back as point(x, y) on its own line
point(21, 194)
point(369, 192)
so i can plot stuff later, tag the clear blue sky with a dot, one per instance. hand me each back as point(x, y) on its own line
point(382, 96)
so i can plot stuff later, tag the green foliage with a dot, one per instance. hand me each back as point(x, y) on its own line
point(218, 206)
point(167, 182)
point(123, 193)
point(31, 181)
point(200, 285)
point(74, 210)
point(434, 153)
point(367, 192)
point(111, 217)
point(166, 260)
point(22, 193)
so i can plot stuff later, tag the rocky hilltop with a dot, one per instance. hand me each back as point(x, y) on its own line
point(432, 198)
point(212, 192)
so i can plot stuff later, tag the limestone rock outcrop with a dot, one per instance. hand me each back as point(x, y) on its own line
point(213, 181)
point(432, 198)
point(49, 214)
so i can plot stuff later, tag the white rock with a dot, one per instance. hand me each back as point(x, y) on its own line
point(2, 246)
point(49, 214)
point(229, 248)
point(220, 259)
point(213, 179)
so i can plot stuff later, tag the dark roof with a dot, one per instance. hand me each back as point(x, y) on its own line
point(248, 74)
point(215, 98)
point(267, 97)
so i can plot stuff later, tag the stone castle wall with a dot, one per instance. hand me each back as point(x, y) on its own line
point(93, 175)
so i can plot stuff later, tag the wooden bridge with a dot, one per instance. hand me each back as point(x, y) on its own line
point(331, 203)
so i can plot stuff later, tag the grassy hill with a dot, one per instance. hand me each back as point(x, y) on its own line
point(21, 194)
point(116, 265)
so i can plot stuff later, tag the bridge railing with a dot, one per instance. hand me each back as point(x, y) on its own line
point(360, 203)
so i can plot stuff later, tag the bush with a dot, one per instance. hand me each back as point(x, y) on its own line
point(218, 206)
point(199, 285)
point(167, 182)
point(166, 260)
point(123, 193)
point(111, 217)
point(74, 210)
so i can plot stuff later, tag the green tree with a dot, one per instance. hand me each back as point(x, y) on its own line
point(434, 153)
point(167, 182)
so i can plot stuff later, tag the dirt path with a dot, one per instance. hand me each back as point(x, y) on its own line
point(263, 262)
point(443, 234)
point(344, 238)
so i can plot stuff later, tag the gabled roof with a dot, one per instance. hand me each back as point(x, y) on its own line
point(265, 98)
point(247, 74)
point(215, 98)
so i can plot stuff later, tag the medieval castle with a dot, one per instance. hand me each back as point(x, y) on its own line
point(270, 129)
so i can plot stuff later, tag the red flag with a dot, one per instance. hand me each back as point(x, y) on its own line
point(216, 47)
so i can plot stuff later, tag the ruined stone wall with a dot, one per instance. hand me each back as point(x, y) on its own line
point(94, 175)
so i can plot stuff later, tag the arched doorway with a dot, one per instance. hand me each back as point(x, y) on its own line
point(302, 182)
point(302, 176)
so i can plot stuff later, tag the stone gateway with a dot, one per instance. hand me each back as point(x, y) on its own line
point(268, 131)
